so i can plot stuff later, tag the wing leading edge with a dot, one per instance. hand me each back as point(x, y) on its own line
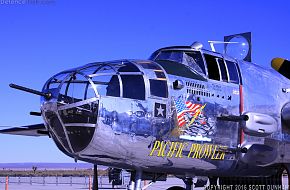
point(29, 130)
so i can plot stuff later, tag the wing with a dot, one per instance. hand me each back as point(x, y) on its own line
point(29, 130)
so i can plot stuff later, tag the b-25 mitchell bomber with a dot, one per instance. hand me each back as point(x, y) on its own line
point(185, 111)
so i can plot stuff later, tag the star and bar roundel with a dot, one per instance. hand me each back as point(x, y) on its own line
point(160, 110)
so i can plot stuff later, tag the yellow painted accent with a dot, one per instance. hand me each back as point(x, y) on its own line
point(162, 149)
point(155, 147)
point(193, 147)
point(277, 63)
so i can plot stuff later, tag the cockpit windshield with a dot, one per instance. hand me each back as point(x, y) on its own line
point(192, 59)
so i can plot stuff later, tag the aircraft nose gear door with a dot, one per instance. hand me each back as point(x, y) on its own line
point(78, 110)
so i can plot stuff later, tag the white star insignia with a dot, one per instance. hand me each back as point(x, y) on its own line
point(160, 111)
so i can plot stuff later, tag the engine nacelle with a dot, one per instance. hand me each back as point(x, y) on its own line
point(258, 124)
point(282, 66)
point(286, 113)
point(258, 154)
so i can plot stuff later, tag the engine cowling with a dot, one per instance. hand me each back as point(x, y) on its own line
point(259, 124)
point(282, 66)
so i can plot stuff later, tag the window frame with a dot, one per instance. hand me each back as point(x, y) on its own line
point(182, 50)
point(235, 63)
point(148, 67)
point(187, 71)
point(68, 81)
point(166, 86)
point(122, 86)
point(110, 75)
point(204, 69)
point(226, 70)
point(224, 59)
point(215, 56)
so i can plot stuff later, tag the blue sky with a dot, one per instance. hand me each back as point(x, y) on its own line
point(39, 40)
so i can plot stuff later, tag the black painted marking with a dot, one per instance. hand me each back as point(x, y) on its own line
point(160, 110)
point(100, 156)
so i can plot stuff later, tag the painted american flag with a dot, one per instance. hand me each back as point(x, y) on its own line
point(182, 108)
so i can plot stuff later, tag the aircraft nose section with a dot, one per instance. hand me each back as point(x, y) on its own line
point(79, 121)
point(72, 114)
point(73, 127)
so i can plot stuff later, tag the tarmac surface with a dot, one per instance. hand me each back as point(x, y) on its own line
point(78, 183)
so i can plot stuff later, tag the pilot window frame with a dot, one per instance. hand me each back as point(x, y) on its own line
point(203, 66)
point(223, 72)
point(236, 72)
point(218, 59)
point(179, 70)
point(187, 52)
point(214, 58)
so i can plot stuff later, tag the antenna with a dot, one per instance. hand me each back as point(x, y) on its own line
point(211, 43)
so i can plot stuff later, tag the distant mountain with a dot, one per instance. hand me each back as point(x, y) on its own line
point(48, 166)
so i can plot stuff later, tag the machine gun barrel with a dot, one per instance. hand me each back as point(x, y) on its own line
point(29, 90)
point(233, 118)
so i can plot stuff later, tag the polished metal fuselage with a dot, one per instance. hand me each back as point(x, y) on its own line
point(126, 130)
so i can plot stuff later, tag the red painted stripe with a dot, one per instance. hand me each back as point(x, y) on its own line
point(192, 106)
point(181, 123)
point(181, 119)
point(242, 138)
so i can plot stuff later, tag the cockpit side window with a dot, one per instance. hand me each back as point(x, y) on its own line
point(192, 59)
point(212, 67)
point(179, 69)
point(158, 88)
point(233, 72)
point(176, 56)
point(133, 87)
point(196, 56)
point(223, 69)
